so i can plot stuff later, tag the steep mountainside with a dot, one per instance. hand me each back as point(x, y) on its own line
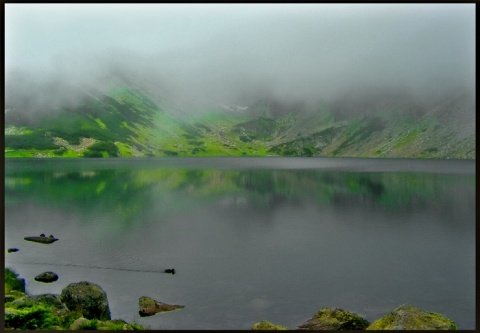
point(123, 117)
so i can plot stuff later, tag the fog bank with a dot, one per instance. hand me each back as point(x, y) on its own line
point(225, 53)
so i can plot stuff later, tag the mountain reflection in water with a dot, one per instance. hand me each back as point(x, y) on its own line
point(249, 239)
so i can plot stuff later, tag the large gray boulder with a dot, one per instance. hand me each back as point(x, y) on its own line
point(332, 319)
point(88, 298)
point(148, 306)
point(408, 317)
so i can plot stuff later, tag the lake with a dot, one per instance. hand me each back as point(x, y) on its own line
point(250, 239)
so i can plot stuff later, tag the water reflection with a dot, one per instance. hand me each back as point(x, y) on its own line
point(365, 241)
point(125, 195)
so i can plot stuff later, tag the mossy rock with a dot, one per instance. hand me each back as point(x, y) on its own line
point(46, 277)
point(79, 324)
point(108, 325)
point(334, 319)
point(266, 325)
point(88, 298)
point(148, 306)
point(408, 317)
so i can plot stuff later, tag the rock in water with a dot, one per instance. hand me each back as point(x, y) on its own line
point(408, 317)
point(266, 325)
point(46, 277)
point(148, 306)
point(41, 239)
point(87, 297)
point(334, 319)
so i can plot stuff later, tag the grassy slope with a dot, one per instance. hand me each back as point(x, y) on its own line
point(125, 122)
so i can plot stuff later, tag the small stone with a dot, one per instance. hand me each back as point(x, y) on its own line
point(46, 277)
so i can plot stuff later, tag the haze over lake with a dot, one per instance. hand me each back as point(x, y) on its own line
point(250, 238)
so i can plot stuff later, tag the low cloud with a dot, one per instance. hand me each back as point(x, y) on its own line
point(198, 55)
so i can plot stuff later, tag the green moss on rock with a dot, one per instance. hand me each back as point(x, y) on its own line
point(47, 312)
point(408, 317)
point(334, 319)
point(149, 307)
point(266, 325)
point(88, 298)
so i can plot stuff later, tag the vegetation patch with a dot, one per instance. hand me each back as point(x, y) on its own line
point(35, 140)
point(102, 149)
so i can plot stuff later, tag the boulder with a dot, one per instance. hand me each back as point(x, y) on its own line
point(148, 306)
point(266, 325)
point(87, 298)
point(46, 277)
point(78, 324)
point(408, 317)
point(334, 319)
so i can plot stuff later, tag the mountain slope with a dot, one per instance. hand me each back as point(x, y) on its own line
point(124, 117)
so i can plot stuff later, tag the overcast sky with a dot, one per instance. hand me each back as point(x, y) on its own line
point(296, 50)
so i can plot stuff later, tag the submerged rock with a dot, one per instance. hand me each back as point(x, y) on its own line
point(46, 277)
point(87, 298)
point(41, 239)
point(266, 325)
point(334, 319)
point(148, 306)
point(408, 317)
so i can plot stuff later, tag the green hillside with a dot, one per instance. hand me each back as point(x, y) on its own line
point(129, 120)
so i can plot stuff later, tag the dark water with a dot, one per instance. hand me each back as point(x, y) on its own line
point(250, 238)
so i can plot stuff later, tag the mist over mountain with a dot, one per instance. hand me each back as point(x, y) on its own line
point(243, 79)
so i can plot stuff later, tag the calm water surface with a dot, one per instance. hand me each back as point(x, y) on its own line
point(250, 238)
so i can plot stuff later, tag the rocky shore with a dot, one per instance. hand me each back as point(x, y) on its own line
point(80, 306)
point(404, 317)
point(84, 306)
